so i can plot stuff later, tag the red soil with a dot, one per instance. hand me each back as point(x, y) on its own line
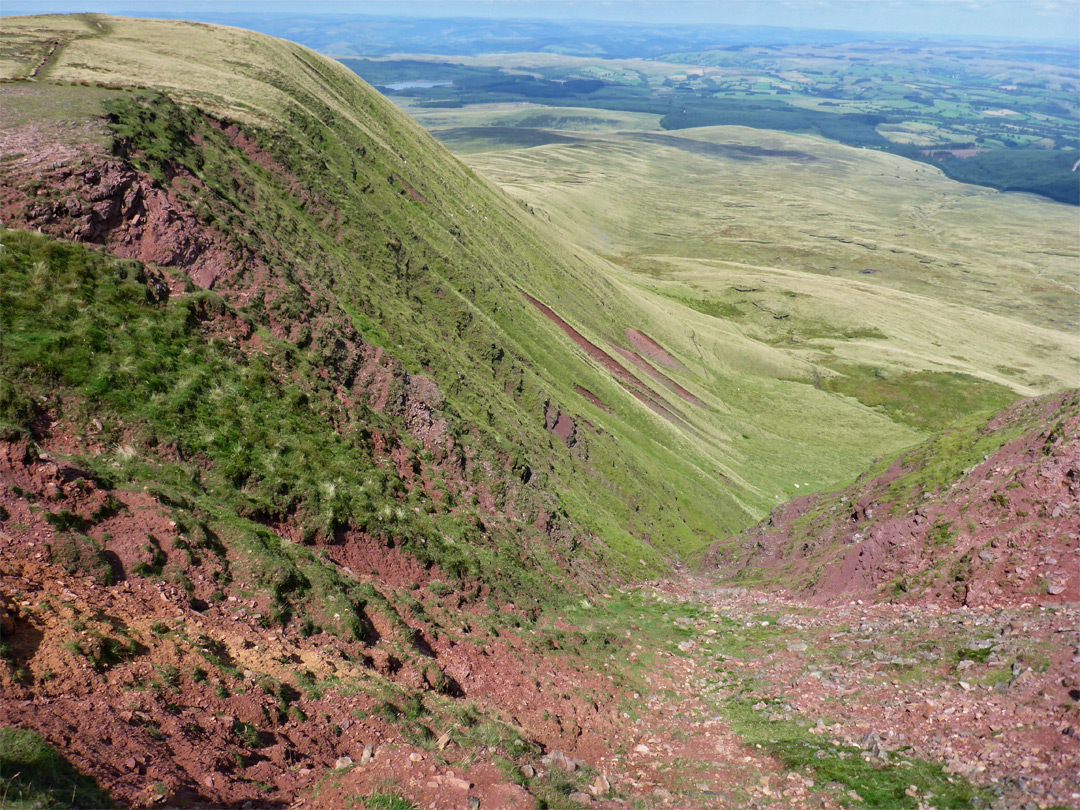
point(627, 380)
point(100, 199)
point(561, 424)
point(651, 349)
point(593, 351)
point(888, 677)
point(593, 398)
point(1006, 533)
point(151, 729)
point(659, 376)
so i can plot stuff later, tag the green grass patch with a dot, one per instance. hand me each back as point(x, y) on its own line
point(33, 776)
point(385, 801)
point(879, 784)
point(927, 400)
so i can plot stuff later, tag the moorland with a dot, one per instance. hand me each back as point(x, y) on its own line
point(602, 462)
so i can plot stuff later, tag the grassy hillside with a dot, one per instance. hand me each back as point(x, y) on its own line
point(349, 219)
point(886, 278)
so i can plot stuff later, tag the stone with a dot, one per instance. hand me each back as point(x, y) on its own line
point(557, 759)
point(798, 647)
point(342, 762)
point(600, 786)
point(368, 754)
point(663, 795)
point(580, 798)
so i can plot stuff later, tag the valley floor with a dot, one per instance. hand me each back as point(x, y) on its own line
point(763, 702)
point(677, 693)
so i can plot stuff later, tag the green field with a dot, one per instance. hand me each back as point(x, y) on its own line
point(868, 273)
point(920, 100)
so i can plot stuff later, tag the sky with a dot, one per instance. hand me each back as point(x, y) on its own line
point(1029, 19)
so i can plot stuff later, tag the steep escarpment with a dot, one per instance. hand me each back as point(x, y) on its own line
point(330, 473)
point(292, 468)
point(185, 563)
point(330, 221)
point(983, 515)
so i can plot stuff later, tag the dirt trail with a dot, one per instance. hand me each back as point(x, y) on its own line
point(990, 693)
point(591, 349)
point(48, 57)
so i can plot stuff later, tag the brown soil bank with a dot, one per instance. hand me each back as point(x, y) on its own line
point(651, 349)
point(981, 516)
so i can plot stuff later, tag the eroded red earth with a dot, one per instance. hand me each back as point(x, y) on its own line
point(175, 695)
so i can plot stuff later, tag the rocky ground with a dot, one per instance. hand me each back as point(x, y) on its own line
point(991, 693)
point(678, 694)
point(171, 686)
point(983, 516)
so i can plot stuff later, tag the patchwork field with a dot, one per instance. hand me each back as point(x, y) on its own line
point(1003, 115)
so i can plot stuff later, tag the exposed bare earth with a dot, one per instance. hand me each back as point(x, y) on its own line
point(878, 676)
point(908, 678)
point(157, 691)
point(621, 374)
point(1006, 532)
point(651, 349)
point(151, 728)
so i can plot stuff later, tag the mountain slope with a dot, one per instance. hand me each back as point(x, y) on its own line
point(331, 236)
point(331, 220)
point(983, 515)
point(321, 456)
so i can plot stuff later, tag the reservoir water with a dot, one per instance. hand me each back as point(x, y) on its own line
point(422, 83)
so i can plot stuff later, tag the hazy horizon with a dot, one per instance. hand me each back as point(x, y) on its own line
point(1047, 20)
